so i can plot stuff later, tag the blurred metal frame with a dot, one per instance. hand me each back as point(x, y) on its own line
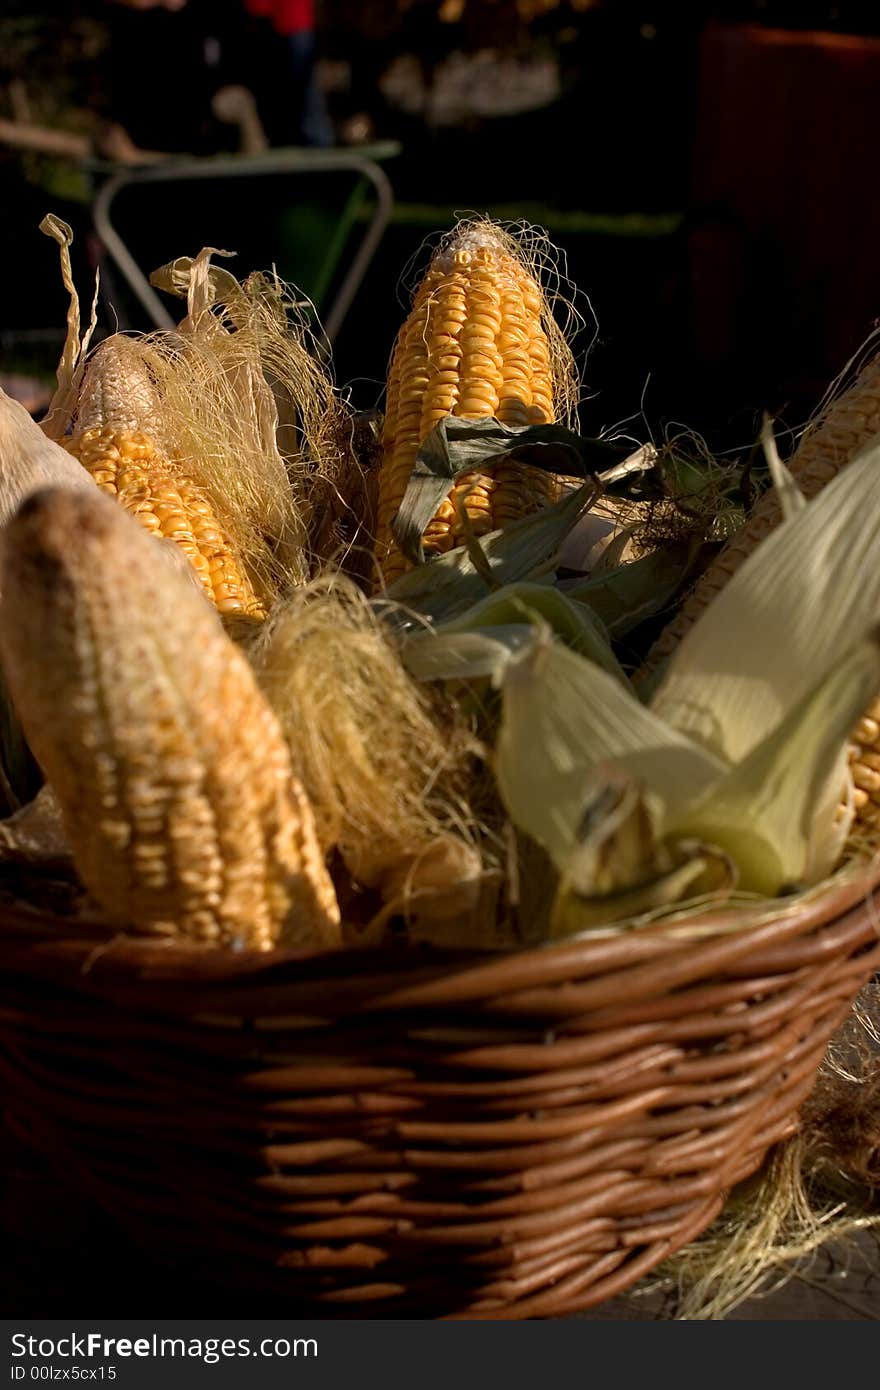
point(283, 161)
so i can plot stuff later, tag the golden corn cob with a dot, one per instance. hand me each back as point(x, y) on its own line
point(118, 441)
point(473, 345)
point(850, 423)
point(171, 771)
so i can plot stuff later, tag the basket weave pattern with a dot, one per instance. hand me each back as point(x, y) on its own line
point(425, 1132)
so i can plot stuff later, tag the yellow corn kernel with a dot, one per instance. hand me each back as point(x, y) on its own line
point(864, 760)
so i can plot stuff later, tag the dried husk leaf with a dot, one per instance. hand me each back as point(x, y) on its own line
point(35, 834)
point(73, 355)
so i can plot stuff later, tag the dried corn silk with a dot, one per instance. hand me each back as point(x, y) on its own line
point(253, 411)
point(386, 765)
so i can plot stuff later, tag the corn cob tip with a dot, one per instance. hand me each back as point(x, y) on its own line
point(468, 239)
point(118, 391)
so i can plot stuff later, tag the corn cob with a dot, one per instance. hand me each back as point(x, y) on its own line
point(473, 345)
point(118, 440)
point(172, 774)
point(850, 423)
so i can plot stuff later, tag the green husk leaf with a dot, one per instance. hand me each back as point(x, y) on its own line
point(456, 445)
point(565, 721)
point(624, 597)
point(617, 842)
point(612, 556)
point(705, 875)
point(516, 604)
point(487, 636)
point(562, 717)
point(465, 656)
point(785, 619)
point(773, 813)
point(619, 868)
point(446, 586)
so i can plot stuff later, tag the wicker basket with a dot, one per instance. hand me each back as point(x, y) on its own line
point(419, 1132)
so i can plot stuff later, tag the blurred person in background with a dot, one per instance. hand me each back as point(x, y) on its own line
point(177, 75)
point(291, 101)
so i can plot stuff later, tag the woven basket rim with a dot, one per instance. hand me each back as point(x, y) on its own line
point(41, 945)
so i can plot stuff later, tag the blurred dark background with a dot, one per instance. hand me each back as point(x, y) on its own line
point(706, 170)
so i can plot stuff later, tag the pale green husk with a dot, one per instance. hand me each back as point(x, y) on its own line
point(450, 584)
point(786, 618)
point(741, 754)
point(505, 617)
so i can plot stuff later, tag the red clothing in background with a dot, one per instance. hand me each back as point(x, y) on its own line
point(288, 91)
point(287, 16)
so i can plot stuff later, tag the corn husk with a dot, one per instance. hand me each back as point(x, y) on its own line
point(786, 618)
point(29, 460)
point(458, 445)
point(506, 617)
point(564, 717)
point(451, 584)
point(775, 813)
point(35, 834)
point(625, 595)
point(71, 365)
point(764, 790)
